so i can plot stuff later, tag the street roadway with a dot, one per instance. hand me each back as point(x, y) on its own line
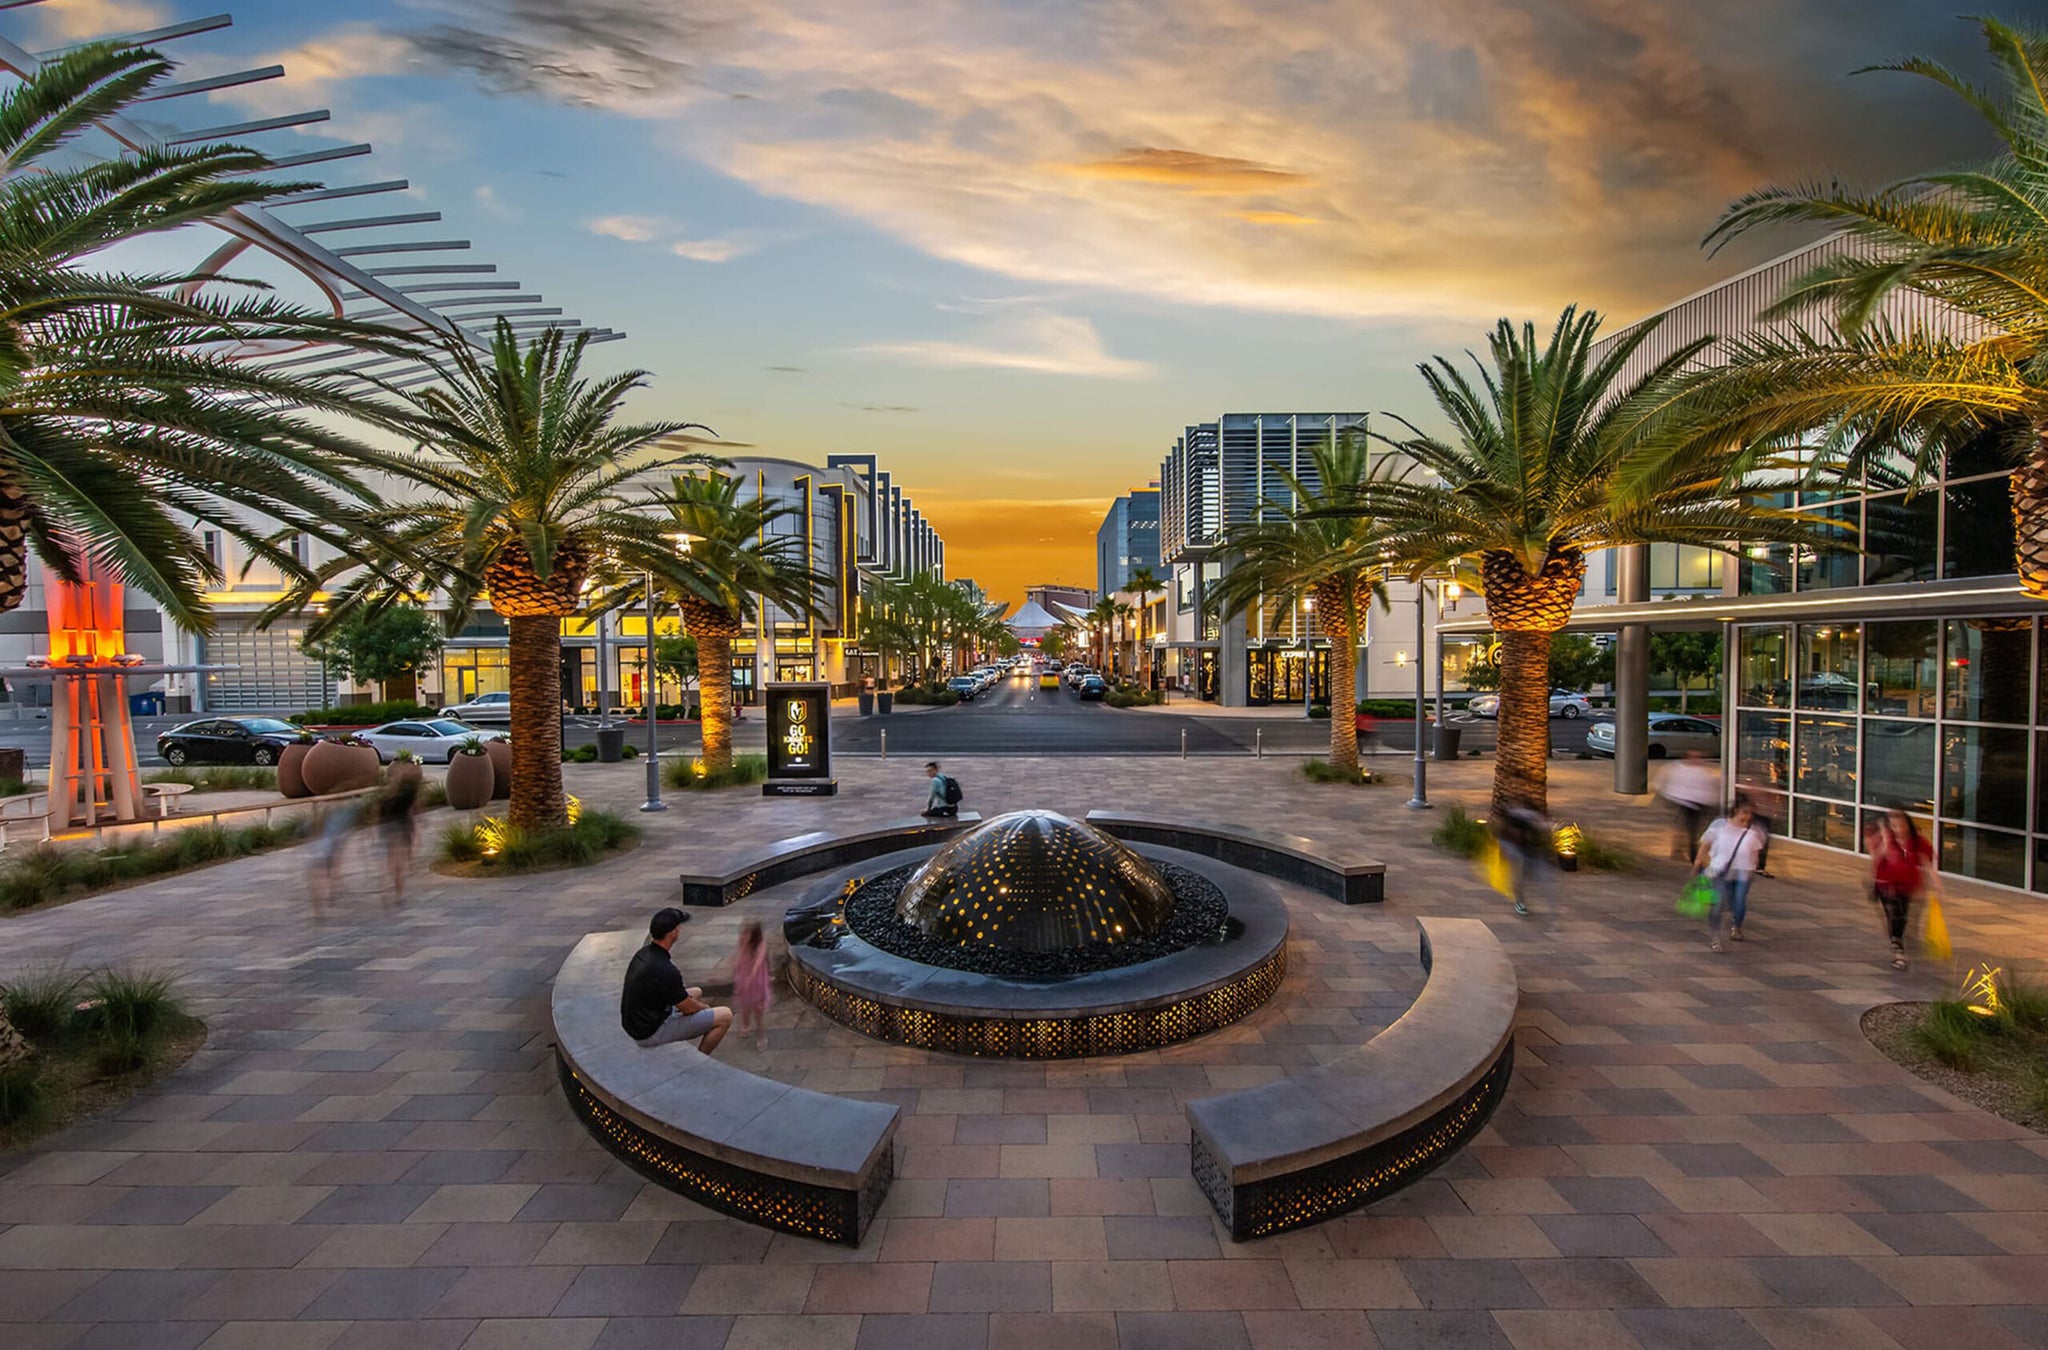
point(1013, 718)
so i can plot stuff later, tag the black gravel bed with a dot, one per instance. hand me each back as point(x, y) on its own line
point(1200, 915)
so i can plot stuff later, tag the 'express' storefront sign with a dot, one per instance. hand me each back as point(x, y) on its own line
point(799, 737)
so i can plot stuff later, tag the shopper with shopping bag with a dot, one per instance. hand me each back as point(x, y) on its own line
point(1728, 855)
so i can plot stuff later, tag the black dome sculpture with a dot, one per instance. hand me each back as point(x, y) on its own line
point(1035, 881)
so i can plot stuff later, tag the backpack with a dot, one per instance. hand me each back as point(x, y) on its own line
point(952, 790)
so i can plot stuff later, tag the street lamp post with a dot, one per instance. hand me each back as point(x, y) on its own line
point(654, 801)
point(1420, 801)
point(1308, 657)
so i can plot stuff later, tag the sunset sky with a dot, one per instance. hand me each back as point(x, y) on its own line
point(1015, 245)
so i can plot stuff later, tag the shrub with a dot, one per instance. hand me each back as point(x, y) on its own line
point(14, 787)
point(1595, 856)
point(1130, 696)
point(140, 1007)
point(580, 754)
point(1950, 1034)
point(24, 1101)
point(39, 1003)
point(1321, 710)
point(2023, 1003)
point(365, 714)
point(2034, 1091)
point(590, 837)
point(218, 777)
point(33, 876)
point(688, 774)
point(1322, 771)
point(459, 844)
point(45, 872)
point(1396, 708)
point(1460, 833)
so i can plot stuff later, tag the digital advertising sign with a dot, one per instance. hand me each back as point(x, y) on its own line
point(799, 741)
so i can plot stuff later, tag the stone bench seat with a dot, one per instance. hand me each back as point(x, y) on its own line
point(819, 851)
point(1340, 872)
point(1312, 1146)
point(780, 1156)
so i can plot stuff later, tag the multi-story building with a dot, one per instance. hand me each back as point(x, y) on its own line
point(1054, 598)
point(1127, 539)
point(860, 528)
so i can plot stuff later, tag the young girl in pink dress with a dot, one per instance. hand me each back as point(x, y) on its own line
point(752, 983)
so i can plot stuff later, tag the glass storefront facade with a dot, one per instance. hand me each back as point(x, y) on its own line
point(1957, 525)
point(1938, 717)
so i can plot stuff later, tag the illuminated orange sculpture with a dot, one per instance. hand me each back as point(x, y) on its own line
point(92, 740)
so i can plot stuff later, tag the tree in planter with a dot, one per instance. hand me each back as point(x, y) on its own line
point(1310, 550)
point(387, 646)
point(731, 561)
point(1555, 453)
point(523, 465)
point(676, 658)
point(1686, 657)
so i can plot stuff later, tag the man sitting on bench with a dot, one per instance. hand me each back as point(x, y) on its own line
point(656, 1007)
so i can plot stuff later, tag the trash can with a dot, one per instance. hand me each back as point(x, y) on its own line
point(611, 744)
point(146, 704)
point(885, 702)
point(866, 700)
point(1447, 741)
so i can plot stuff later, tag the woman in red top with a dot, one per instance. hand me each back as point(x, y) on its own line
point(1901, 865)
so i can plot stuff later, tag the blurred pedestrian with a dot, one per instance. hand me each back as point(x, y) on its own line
point(324, 866)
point(753, 983)
point(1902, 872)
point(397, 808)
point(1525, 840)
point(1727, 856)
point(1692, 790)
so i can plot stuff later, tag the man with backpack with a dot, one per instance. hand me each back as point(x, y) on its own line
point(944, 799)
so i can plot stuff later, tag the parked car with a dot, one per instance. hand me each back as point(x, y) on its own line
point(966, 686)
point(1671, 735)
point(1563, 703)
point(1092, 687)
point(482, 708)
point(228, 740)
point(432, 740)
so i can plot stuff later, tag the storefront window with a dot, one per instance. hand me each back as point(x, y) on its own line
point(1830, 666)
point(1977, 540)
point(1763, 751)
point(1761, 672)
point(1898, 764)
point(1837, 563)
point(1984, 775)
point(1990, 665)
point(1824, 823)
point(1901, 538)
point(1902, 661)
point(1988, 855)
point(1826, 755)
point(1766, 569)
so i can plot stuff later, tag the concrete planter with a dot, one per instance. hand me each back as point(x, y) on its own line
point(331, 766)
point(291, 780)
point(499, 752)
point(470, 779)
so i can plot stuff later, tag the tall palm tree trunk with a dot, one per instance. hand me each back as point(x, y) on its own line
point(714, 672)
point(2030, 517)
point(1525, 610)
point(536, 659)
point(1343, 700)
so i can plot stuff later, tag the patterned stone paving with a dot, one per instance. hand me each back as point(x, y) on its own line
point(1698, 1152)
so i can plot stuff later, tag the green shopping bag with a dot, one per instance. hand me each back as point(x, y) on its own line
point(1697, 898)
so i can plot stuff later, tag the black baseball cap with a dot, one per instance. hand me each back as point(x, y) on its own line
point(666, 921)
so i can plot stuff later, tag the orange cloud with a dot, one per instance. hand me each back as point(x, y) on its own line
point(1190, 170)
point(1007, 544)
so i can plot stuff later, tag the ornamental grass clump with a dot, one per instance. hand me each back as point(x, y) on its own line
point(1459, 833)
point(1951, 1034)
point(1322, 771)
point(693, 773)
point(496, 843)
point(86, 1033)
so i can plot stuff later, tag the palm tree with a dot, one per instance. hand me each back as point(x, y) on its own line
point(1553, 455)
point(124, 413)
point(733, 567)
point(1145, 583)
point(1099, 617)
point(524, 465)
point(1312, 550)
point(1975, 243)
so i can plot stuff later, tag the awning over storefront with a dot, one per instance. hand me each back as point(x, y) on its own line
point(1970, 595)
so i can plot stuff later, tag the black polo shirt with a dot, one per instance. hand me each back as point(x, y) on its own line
point(653, 987)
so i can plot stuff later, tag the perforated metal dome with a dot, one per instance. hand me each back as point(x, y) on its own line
point(1035, 881)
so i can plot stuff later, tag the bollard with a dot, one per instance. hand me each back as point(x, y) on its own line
point(885, 742)
point(1183, 742)
point(1259, 742)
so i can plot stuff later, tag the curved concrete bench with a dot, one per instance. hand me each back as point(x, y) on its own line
point(780, 1156)
point(818, 851)
point(1310, 1147)
point(1338, 872)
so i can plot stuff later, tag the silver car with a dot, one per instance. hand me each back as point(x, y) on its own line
point(482, 708)
point(1563, 703)
point(430, 739)
point(1671, 735)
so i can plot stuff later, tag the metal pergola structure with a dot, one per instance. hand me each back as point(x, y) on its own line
point(416, 291)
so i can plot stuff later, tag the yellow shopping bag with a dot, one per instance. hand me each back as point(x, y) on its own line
point(1934, 933)
point(1493, 869)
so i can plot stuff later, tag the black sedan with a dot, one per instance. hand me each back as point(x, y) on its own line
point(1092, 687)
point(228, 740)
